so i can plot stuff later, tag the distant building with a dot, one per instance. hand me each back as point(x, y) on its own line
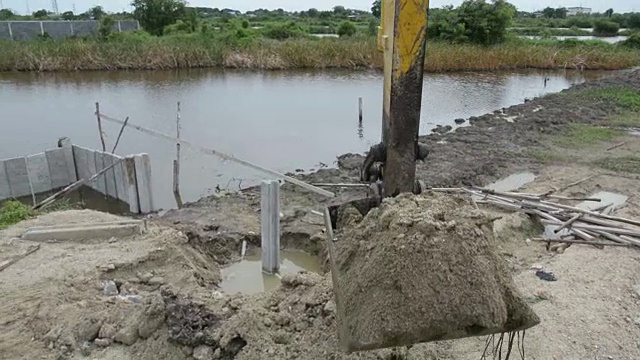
point(574, 11)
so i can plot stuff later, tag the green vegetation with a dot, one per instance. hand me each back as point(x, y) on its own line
point(605, 28)
point(627, 164)
point(12, 212)
point(547, 32)
point(582, 135)
point(477, 35)
point(626, 98)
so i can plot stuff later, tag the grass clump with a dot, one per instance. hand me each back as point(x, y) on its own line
point(546, 156)
point(629, 119)
point(627, 164)
point(626, 98)
point(584, 135)
point(12, 212)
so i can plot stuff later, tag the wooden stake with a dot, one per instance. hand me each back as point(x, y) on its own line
point(617, 146)
point(360, 109)
point(104, 146)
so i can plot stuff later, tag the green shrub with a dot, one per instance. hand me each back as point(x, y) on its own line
point(347, 28)
point(632, 42)
point(606, 28)
point(12, 212)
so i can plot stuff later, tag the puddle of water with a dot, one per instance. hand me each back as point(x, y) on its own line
point(608, 198)
point(247, 277)
point(512, 182)
point(616, 200)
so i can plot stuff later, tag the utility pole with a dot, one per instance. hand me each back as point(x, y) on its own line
point(28, 11)
point(403, 38)
point(54, 6)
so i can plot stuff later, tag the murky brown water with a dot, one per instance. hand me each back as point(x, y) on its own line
point(247, 277)
point(282, 120)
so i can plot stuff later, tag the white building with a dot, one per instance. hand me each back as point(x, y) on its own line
point(573, 11)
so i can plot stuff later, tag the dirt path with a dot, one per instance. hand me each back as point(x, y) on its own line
point(54, 304)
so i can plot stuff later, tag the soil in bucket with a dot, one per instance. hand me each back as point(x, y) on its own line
point(420, 269)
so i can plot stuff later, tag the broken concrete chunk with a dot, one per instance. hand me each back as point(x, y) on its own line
point(109, 288)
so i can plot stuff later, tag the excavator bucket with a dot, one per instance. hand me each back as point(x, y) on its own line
point(419, 268)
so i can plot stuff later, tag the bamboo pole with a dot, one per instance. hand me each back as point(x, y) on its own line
point(104, 146)
point(120, 135)
point(224, 156)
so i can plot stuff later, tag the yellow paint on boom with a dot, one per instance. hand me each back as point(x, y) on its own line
point(411, 23)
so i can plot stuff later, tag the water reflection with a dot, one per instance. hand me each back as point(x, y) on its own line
point(281, 120)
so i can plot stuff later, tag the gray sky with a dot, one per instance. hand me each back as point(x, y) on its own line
point(244, 5)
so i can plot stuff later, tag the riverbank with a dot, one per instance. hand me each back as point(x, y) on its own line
point(576, 142)
point(130, 52)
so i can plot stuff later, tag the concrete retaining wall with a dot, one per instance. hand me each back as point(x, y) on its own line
point(26, 30)
point(129, 181)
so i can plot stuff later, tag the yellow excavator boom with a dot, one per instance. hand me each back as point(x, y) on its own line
point(402, 37)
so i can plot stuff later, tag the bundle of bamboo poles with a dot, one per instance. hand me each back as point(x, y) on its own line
point(564, 223)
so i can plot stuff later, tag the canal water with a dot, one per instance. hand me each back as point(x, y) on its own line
point(281, 120)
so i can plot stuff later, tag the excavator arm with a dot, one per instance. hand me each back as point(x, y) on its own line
point(402, 38)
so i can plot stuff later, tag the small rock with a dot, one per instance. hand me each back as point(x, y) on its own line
point(85, 348)
point(283, 319)
point(235, 304)
point(112, 240)
point(267, 322)
point(128, 335)
point(135, 299)
point(186, 350)
point(53, 334)
point(156, 280)
point(109, 288)
point(107, 331)
point(330, 307)
point(637, 321)
point(459, 121)
point(543, 294)
point(102, 342)
point(153, 316)
point(282, 337)
point(145, 277)
point(203, 352)
point(64, 349)
point(217, 354)
point(88, 330)
point(108, 267)
point(50, 345)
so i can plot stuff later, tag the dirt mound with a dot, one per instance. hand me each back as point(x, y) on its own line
point(420, 269)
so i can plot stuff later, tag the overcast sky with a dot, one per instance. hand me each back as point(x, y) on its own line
point(245, 5)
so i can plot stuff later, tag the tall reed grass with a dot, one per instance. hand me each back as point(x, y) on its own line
point(193, 51)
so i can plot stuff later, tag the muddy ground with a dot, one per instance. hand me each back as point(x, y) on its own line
point(60, 302)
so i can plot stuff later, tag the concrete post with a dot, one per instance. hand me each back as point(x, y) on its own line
point(41, 28)
point(270, 223)
point(10, 30)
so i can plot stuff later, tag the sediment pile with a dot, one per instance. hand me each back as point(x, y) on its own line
point(420, 269)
